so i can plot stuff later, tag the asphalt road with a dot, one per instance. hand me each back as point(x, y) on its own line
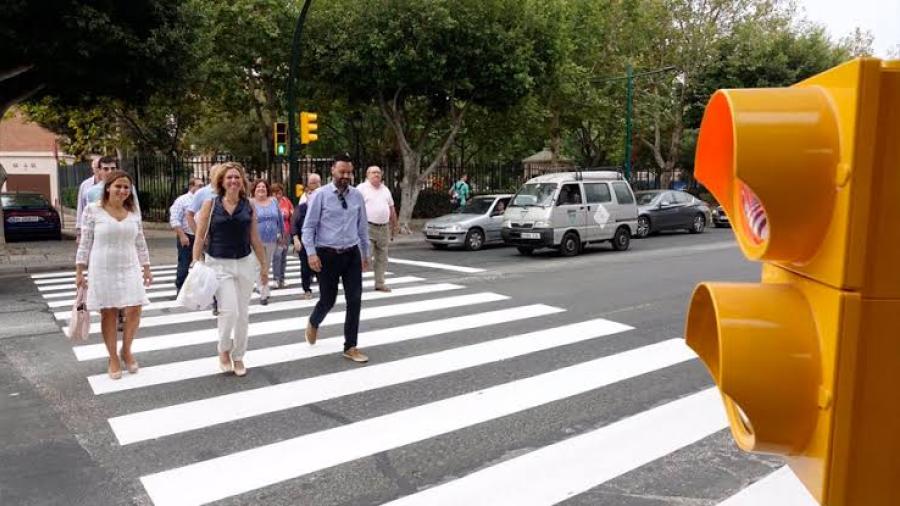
point(536, 380)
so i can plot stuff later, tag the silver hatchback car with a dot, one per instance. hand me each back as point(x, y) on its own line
point(471, 227)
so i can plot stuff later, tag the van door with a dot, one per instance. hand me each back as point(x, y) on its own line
point(625, 211)
point(600, 218)
point(570, 211)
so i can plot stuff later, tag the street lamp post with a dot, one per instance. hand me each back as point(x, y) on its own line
point(293, 150)
point(629, 107)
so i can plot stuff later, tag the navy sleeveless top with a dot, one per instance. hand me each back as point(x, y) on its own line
point(229, 234)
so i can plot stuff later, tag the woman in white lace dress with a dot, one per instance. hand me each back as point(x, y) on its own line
point(112, 243)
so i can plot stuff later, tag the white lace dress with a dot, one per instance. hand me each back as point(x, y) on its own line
point(114, 252)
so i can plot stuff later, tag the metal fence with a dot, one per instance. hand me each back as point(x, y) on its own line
point(159, 179)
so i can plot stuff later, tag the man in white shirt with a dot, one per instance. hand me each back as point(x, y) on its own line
point(184, 234)
point(382, 221)
point(82, 195)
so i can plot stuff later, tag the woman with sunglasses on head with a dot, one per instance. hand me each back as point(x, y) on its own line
point(227, 229)
point(113, 245)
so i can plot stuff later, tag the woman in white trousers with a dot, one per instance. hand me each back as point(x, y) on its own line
point(230, 230)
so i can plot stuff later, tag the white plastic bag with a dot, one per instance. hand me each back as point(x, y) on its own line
point(199, 287)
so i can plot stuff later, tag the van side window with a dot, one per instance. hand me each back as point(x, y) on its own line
point(597, 193)
point(570, 194)
point(623, 194)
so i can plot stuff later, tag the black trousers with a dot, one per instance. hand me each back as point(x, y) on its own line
point(345, 267)
point(306, 273)
point(185, 254)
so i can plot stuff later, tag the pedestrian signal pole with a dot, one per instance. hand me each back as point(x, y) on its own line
point(808, 359)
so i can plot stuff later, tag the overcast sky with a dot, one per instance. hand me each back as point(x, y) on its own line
point(881, 17)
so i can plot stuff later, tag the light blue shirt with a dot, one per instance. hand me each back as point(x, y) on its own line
point(202, 195)
point(178, 214)
point(328, 224)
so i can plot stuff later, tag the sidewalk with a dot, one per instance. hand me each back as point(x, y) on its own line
point(43, 256)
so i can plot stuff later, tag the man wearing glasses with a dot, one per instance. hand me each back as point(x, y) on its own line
point(335, 236)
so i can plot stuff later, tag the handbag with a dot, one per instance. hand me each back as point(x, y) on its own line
point(201, 283)
point(80, 322)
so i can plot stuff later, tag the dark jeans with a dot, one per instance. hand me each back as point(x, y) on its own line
point(346, 267)
point(185, 254)
point(306, 273)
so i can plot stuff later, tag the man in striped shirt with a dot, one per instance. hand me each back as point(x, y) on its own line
point(183, 232)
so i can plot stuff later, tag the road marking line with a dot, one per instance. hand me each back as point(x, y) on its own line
point(435, 265)
point(209, 366)
point(248, 470)
point(782, 487)
point(277, 294)
point(296, 324)
point(557, 472)
point(178, 418)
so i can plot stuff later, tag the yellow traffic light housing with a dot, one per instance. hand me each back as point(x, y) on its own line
point(308, 125)
point(807, 359)
point(279, 137)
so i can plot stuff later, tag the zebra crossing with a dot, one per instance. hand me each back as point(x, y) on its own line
point(430, 329)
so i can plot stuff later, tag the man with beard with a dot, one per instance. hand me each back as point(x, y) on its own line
point(335, 236)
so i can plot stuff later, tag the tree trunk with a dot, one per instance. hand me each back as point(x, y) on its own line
point(413, 175)
point(555, 139)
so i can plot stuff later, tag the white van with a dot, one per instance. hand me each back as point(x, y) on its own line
point(569, 210)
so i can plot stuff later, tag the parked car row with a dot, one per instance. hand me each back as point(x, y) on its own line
point(569, 211)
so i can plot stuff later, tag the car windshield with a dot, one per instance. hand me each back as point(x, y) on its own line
point(535, 194)
point(478, 205)
point(644, 198)
point(24, 201)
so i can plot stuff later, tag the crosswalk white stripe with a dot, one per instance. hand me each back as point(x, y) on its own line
point(168, 289)
point(275, 307)
point(71, 274)
point(208, 366)
point(57, 281)
point(174, 419)
point(557, 472)
point(782, 487)
point(296, 324)
point(293, 260)
point(435, 265)
point(169, 304)
point(157, 271)
point(251, 469)
point(289, 272)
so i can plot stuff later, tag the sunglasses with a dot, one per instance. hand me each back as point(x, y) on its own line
point(343, 200)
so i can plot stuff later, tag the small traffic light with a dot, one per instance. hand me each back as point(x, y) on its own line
point(807, 359)
point(279, 137)
point(307, 127)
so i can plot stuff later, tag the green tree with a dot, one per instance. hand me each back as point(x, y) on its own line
point(424, 63)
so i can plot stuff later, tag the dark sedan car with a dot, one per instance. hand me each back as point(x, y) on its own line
point(670, 210)
point(28, 216)
point(719, 218)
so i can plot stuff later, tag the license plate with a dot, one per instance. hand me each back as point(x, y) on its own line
point(24, 219)
point(531, 235)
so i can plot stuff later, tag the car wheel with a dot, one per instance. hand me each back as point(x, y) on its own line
point(699, 224)
point(474, 239)
point(622, 240)
point(436, 245)
point(643, 227)
point(571, 245)
point(524, 250)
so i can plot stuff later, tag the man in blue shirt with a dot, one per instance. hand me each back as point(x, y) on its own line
point(183, 232)
point(335, 236)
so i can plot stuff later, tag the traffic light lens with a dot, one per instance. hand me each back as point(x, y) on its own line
point(281, 149)
point(756, 222)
